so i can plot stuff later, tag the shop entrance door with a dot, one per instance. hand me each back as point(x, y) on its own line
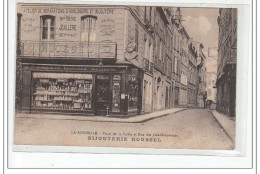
point(176, 96)
point(102, 94)
point(167, 98)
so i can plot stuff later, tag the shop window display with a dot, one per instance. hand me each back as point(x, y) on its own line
point(116, 93)
point(60, 91)
point(133, 92)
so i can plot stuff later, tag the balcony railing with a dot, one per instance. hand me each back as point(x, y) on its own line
point(60, 49)
point(159, 64)
point(151, 68)
point(147, 65)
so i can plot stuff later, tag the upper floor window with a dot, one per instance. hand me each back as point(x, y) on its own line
point(88, 28)
point(161, 50)
point(136, 36)
point(137, 8)
point(148, 13)
point(151, 53)
point(146, 49)
point(177, 44)
point(19, 16)
point(47, 27)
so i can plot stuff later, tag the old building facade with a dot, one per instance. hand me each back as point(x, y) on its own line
point(201, 81)
point(211, 90)
point(227, 58)
point(162, 61)
point(184, 67)
point(103, 60)
point(94, 60)
point(177, 47)
point(192, 76)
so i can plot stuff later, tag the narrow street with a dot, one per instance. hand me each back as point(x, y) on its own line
point(188, 129)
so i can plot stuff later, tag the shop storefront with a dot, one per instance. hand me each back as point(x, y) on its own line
point(226, 92)
point(86, 90)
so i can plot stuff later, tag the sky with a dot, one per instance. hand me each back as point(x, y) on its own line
point(201, 25)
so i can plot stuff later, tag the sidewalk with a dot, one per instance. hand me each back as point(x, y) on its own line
point(134, 119)
point(227, 123)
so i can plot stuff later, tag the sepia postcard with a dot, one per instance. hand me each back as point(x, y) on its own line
point(125, 76)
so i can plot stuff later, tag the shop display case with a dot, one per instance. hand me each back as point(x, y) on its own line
point(62, 91)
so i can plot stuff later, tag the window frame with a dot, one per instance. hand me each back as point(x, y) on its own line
point(50, 36)
point(91, 29)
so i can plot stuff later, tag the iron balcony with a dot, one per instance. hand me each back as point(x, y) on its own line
point(63, 49)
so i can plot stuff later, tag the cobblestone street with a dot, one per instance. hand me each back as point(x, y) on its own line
point(188, 129)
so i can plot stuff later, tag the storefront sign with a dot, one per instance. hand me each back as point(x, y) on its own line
point(132, 78)
point(70, 10)
point(75, 68)
point(68, 18)
point(103, 77)
point(67, 27)
point(107, 27)
point(28, 25)
point(117, 77)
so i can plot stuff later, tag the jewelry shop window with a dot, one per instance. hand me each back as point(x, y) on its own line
point(47, 27)
point(60, 91)
point(88, 28)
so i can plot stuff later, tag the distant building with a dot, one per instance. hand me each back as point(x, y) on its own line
point(192, 76)
point(227, 60)
point(202, 76)
point(177, 47)
point(211, 90)
point(184, 67)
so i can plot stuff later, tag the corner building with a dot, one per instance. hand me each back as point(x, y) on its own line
point(90, 60)
point(227, 60)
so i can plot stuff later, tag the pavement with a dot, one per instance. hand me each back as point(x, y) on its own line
point(227, 123)
point(133, 119)
point(188, 129)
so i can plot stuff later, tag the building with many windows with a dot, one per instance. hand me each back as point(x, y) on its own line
point(184, 67)
point(162, 60)
point(211, 90)
point(227, 59)
point(192, 76)
point(95, 60)
point(177, 64)
point(103, 60)
point(201, 81)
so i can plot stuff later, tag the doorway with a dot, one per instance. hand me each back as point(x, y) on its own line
point(102, 94)
point(176, 96)
point(167, 98)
